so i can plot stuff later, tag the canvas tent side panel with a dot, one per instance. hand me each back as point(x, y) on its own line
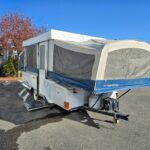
point(73, 68)
point(126, 68)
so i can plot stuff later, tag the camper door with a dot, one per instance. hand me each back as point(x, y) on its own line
point(42, 65)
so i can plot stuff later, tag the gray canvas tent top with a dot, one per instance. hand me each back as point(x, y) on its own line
point(94, 64)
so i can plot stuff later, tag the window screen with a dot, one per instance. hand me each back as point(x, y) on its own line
point(42, 57)
point(31, 56)
point(73, 64)
point(21, 61)
point(128, 63)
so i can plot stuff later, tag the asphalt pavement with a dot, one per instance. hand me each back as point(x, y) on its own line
point(53, 129)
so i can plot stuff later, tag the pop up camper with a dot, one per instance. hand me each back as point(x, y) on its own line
point(73, 71)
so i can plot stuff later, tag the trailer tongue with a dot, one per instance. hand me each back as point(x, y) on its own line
point(81, 72)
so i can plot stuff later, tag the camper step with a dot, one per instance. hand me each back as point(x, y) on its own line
point(22, 92)
point(35, 105)
point(30, 103)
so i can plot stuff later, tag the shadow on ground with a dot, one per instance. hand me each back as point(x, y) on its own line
point(13, 110)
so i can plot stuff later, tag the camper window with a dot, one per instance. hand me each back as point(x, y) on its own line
point(127, 63)
point(73, 64)
point(21, 61)
point(42, 56)
point(31, 58)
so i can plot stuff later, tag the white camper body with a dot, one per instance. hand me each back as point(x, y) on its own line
point(73, 70)
point(62, 96)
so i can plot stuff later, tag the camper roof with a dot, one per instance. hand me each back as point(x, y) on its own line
point(59, 35)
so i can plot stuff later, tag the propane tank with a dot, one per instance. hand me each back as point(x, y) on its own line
point(92, 101)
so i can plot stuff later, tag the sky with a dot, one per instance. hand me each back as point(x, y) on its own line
point(112, 19)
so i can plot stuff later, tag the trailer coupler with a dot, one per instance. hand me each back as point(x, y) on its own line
point(116, 115)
